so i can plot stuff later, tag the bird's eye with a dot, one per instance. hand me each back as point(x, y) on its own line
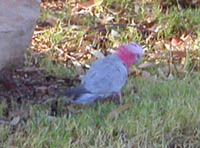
point(138, 56)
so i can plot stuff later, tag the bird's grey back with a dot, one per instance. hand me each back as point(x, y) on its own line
point(106, 75)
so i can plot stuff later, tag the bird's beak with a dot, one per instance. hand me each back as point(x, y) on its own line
point(137, 60)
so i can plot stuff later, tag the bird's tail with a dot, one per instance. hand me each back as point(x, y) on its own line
point(86, 98)
point(77, 91)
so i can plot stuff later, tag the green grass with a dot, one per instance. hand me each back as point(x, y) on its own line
point(174, 21)
point(163, 113)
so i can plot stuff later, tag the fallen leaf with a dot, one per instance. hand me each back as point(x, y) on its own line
point(52, 20)
point(72, 109)
point(15, 121)
point(107, 19)
point(97, 54)
point(162, 74)
point(12, 146)
point(146, 65)
point(51, 118)
point(42, 89)
point(117, 111)
point(176, 41)
point(4, 122)
point(87, 4)
point(159, 46)
point(115, 34)
point(170, 77)
point(145, 74)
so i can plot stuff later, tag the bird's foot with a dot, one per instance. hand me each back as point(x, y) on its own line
point(117, 98)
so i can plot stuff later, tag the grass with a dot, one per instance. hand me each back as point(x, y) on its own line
point(163, 114)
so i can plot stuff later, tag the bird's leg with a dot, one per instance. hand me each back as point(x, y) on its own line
point(117, 97)
point(120, 97)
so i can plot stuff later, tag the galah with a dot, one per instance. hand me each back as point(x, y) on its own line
point(107, 76)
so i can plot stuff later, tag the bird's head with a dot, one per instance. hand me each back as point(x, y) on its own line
point(130, 53)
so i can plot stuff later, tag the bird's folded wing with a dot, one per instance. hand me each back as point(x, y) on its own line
point(106, 76)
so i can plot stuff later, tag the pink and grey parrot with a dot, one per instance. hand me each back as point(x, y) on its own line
point(107, 76)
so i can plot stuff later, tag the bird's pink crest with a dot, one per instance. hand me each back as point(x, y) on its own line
point(130, 53)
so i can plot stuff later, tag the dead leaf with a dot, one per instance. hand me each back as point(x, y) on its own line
point(4, 122)
point(42, 89)
point(107, 19)
point(29, 69)
point(159, 46)
point(87, 4)
point(117, 111)
point(74, 110)
point(145, 74)
point(51, 118)
point(178, 54)
point(52, 20)
point(170, 77)
point(146, 65)
point(176, 41)
point(115, 34)
point(13, 147)
point(162, 74)
point(15, 121)
point(97, 54)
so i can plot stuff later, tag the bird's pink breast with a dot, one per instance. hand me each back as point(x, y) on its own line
point(126, 56)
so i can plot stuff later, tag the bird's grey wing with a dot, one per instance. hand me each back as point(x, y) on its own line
point(77, 91)
point(106, 76)
point(86, 98)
